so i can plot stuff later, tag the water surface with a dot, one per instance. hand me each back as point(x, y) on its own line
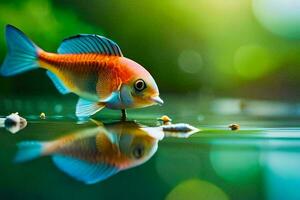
point(260, 161)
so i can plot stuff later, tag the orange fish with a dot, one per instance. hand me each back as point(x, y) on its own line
point(89, 65)
point(94, 154)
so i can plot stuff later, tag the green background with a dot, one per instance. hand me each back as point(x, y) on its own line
point(246, 48)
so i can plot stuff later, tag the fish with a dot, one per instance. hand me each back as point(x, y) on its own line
point(88, 65)
point(94, 154)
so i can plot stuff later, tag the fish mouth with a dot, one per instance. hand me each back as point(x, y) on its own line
point(157, 100)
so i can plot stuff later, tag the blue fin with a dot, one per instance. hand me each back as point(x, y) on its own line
point(85, 108)
point(58, 83)
point(113, 137)
point(89, 43)
point(28, 150)
point(22, 53)
point(84, 171)
point(114, 98)
point(125, 95)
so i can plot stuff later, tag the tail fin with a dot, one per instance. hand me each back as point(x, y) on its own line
point(29, 150)
point(22, 53)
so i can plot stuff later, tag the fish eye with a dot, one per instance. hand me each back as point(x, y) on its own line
point(139, 85)
point(138, 151)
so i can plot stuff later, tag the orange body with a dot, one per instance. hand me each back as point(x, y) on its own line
point(94, 76)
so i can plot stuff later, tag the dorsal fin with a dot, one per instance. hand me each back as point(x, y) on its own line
point(89, 43)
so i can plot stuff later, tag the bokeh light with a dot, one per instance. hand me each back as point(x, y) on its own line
point(253, 61)
point(196, 189)
point(235, 165)
point(58, 108)
point(282, 174)
point(280, 17)
point(172, 170)
point(190, 61)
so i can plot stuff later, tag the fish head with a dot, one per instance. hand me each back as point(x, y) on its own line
point(141, 89)
point(142, 149)
point(137, 145)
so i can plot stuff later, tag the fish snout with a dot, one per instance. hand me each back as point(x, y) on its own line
point(157, 100)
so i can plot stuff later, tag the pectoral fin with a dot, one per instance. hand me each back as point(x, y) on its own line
point(86, 108)
point(114, 97)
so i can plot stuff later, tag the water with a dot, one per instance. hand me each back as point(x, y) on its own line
point(260, 161)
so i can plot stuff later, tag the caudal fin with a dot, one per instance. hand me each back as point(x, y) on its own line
point(29, 150)
point(22, 53)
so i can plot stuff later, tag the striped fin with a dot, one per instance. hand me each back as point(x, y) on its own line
point(87, 172)
point(89, 43)
point(85, 108)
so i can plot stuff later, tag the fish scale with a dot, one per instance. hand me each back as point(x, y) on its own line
point(81, 72)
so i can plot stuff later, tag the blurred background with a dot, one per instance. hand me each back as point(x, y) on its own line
point(227, 48)
point(216, 62)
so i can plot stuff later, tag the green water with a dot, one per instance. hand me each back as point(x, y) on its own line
point(260, 161)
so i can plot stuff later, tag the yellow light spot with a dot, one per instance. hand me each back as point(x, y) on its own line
point(253, 61)
point(195, 189)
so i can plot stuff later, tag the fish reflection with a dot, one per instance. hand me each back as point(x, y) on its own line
point(94, 154)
